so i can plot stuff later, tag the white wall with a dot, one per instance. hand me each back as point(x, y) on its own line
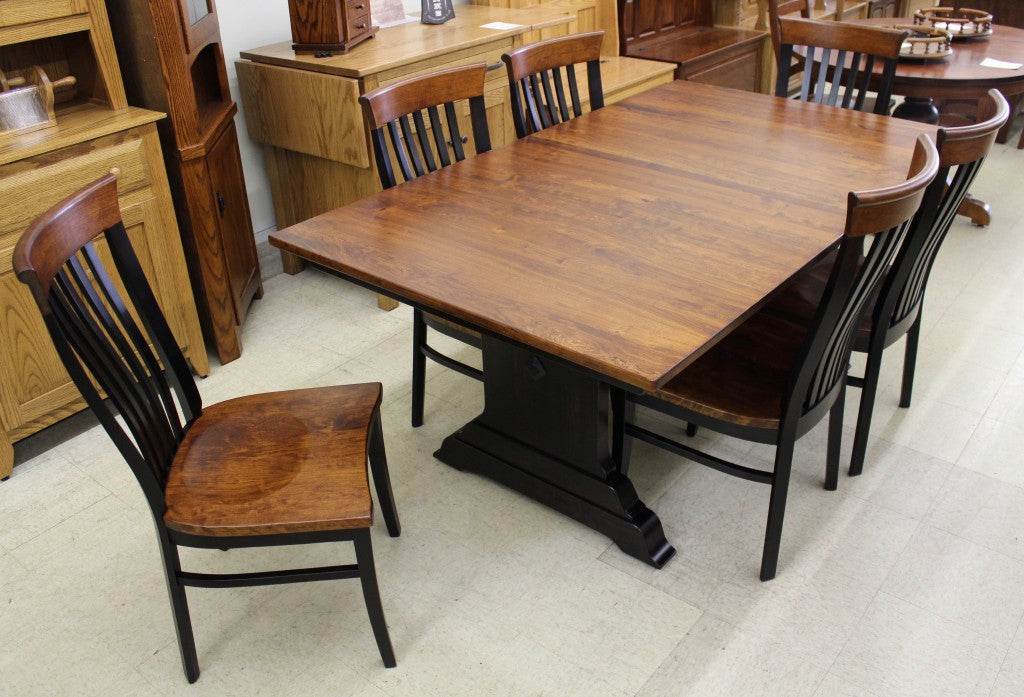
point(246, 24)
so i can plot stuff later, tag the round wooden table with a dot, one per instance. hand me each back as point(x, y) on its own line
point(959, 77)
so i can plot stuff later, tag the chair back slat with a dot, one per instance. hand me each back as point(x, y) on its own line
point(409, 128)
point(885, 216)
point(962, 152)
point(116, 345)
point(841, 58)
point(541, 95)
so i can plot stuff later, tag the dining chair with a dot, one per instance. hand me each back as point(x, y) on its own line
point(538, 86)
point(839, 60)
point(776, 10)
point(781, 372)
point(407, 129)
point(269, 469)
point(897, 308)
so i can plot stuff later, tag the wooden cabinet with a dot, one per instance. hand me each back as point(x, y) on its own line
point(306, 111)
point(95, 132)
point(172, 60)
point(684, 32)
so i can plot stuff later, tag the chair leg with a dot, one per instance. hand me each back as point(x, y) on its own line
point(419, 366)
point(381, 476)
point(691, 429)
point(179, 607)
point(623, 410)
point(371, 595)
point(866, 410)
point(910, 361)
point(835, 440)
point(776, 510)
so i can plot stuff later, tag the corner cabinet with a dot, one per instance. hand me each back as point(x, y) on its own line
point(172, 61)
point(95, 132)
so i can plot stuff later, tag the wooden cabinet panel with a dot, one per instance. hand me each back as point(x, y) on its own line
point(235, 228)
point(172, 59)
point(25, 11)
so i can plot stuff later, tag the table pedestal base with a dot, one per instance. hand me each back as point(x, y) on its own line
point(544, 432)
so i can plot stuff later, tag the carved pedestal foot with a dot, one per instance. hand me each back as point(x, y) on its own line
point(978, 211)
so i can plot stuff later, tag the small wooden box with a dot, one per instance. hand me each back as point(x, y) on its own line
point(329, 25)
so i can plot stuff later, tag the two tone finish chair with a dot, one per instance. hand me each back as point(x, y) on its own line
point(416, 128)
point(897, 308)
point(270, 469)
point(779, 373)
point(542, 80)
point(838, 62)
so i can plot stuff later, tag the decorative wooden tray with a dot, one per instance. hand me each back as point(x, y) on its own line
point(925, 43)
point(961, 23)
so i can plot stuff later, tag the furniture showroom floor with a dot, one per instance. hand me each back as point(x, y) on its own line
point(907, 581)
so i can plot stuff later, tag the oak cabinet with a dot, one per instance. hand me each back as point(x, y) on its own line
point(95, 132)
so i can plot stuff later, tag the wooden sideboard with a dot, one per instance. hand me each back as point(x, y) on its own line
point(95, 132)
point(305, 109)
point(685, 33)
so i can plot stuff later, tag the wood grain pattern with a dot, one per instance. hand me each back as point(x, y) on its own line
point(95, 132)
point(315, 165)
point(281, 462)
point(702, 244)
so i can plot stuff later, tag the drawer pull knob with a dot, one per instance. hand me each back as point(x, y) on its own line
point(360, 26)
point(360, 6)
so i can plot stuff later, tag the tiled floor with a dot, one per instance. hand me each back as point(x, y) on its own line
point(907, 581)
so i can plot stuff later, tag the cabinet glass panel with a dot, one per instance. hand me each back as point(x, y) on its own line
point(197, 9)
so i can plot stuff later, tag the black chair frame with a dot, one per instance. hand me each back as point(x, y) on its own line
point(150, 386)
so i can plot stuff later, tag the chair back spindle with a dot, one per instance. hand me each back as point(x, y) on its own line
point(885, 216)
point(415, 123)
point(542, 80)
point(962, 152)
point(113, 348)
point(838, 62)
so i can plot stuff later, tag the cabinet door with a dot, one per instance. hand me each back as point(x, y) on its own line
point(236, 238)
point(37, 389)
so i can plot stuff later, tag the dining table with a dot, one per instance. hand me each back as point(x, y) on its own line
point(608, 253)
point(962, 77)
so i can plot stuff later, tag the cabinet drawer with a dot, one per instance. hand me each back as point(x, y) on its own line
point(358, 23)
point(30, 186)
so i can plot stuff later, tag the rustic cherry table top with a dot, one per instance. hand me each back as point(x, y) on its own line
point(629, 240)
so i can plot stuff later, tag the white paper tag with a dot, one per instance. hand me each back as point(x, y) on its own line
point(993, 63)
point(501, 26)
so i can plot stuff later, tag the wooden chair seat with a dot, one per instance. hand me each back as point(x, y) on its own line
point(763, 346)
point(282, 462)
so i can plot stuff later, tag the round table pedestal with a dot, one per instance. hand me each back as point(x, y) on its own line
point(917, 109)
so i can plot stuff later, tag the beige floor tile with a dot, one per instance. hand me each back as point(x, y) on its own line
point(960, 581)
point(901, 649)
point(717, 659)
